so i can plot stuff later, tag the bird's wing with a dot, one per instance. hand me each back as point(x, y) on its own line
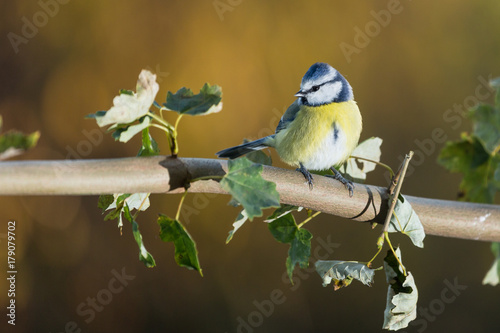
point(288, 116)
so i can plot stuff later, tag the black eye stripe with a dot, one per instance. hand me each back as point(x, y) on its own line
point(317, 86)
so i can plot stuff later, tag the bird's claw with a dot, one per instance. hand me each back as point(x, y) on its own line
point(307, 175)
point(347, 183)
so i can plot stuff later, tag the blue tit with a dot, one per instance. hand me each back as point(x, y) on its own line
point(318, 131)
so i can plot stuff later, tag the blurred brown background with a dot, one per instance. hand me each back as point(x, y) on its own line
point(408, 62)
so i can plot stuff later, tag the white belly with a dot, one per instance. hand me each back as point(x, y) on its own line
point(331, 151)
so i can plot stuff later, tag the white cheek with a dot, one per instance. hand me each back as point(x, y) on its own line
point(334, 89)
point(326, 94)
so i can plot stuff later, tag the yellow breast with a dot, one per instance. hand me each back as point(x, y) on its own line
point(320, 137)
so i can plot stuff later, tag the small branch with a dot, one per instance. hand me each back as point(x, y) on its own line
point(160, 174)
point(394, 192)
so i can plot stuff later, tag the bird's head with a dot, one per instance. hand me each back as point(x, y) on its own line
point(323, 84)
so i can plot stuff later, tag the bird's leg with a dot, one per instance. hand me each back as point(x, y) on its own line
point(347, 183)
point(307, 175)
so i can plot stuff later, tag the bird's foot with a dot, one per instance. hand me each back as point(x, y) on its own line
point(347, 183)
point(307, 175)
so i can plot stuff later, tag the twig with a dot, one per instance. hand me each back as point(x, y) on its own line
point(394, 192)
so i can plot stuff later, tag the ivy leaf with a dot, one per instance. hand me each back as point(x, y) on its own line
point(300, 251)
point(406, 221)
point(186, 254)
point(493, 275)
point(128, 107)
point(117, 205)
point(240, 220)
point(464, 155)
point(486, 126)
point(402, 294)
point(469, 157)
point(343, 272)
point(13, 143)
point(134, 201)
point(144, 255)
point(149, 146)
point(105, 201)
point(369, 149)
point(245, 183)
point(127, 133)
point(478, 185)
point(285, 230)
point(185, 102)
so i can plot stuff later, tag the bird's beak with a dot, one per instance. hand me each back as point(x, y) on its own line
point(299, 94)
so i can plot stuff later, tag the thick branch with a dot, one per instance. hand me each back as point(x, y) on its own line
point(160, 174)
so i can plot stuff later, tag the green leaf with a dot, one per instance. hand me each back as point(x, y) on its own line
point(402, 294)
point(185, 102)
point(369, 149)
point(478, 184)
point(122, 204)
point(464, 155)
point(127, 107)
point(126, 92)
point(493, 275)
point(105, 201)
point(469, 157)
point(144, 255)
point(486, 126)
point(134, 201)
point(127, 134)
point(343, 272)
point(186, 254)
point(240, 220)
point(13, 143)
point(245, 183)
point(406, 221)
point(285, 230)
point(149, 145)
point(117, 205)
point(299, 252)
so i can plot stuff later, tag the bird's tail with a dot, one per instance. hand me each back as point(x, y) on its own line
point(244, 148)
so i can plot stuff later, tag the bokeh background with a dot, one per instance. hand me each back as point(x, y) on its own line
point(407, 69)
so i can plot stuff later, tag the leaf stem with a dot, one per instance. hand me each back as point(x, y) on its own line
point(375, 162)
point(386, 234)
point(161, 121)
point(375, 256)
point(178, 214)
point(166, 130)
point(174, 145)
point(309, 219)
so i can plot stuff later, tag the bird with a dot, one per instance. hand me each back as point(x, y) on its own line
point(318, 131)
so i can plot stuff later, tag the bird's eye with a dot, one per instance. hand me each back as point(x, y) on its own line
point(315, 88)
